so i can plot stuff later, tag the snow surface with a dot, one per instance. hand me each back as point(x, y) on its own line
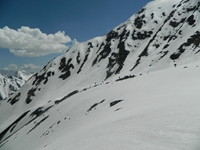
point(159, 110)
point(135, 88)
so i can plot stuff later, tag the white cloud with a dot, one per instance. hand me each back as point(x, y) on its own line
point(11, 67)
point(29, 42)
point(30, 67)
point(74, 42)
point(26, 67)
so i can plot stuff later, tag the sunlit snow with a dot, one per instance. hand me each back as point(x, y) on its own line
point(136, 88)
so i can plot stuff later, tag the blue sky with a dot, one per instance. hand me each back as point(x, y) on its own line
point(54, 22)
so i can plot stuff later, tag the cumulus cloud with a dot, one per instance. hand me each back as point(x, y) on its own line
point(26, 67)
point(30, 67)
point(29, 42)
point(74, 42)
point(11, 67)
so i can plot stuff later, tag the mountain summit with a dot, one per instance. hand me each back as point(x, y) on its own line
point(133, 88)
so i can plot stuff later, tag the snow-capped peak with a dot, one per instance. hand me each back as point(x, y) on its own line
point(11, 81)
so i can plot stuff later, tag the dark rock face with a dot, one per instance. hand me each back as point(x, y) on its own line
point(78, 58)
point(43, 78)
point(117, 59)
point(111, 35)
point(95, 105)
point(67, 96)
point(37, 124)
point(12, 126)
point(37, 112)
point(32, 116)
point(125, 77)
point(106, 50)
point(15, 99)
point(141, 36)
point(176, 24)
point(115, 102)
point(65, 68)
point(191, 20)
point(86, 56)
point(193, 41)
point(139, 21)
point(38, 79)
point(30, 94)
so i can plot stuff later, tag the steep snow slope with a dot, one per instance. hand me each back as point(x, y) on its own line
point(11, 81)
point(155, 111)
point(82, 96)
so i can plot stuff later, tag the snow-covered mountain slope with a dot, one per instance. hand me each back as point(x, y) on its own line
point(156, 111)
point(134, 88)
point(11, 81)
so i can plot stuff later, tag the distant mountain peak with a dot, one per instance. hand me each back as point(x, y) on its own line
point(11, 81)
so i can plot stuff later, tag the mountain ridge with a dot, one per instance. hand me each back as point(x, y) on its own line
point(11, 81)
